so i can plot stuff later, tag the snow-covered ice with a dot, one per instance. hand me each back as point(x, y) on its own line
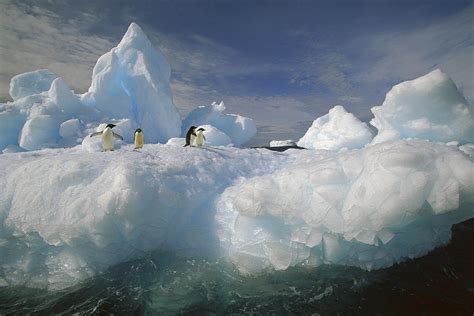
point(368, 208)
point(67, 214)
point(240, 129)
point(336, 130)
point(429, 107)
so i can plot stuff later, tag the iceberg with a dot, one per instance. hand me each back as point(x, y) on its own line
point(69, 213)
point(30, 83)
point(130, 87)
point(132, 81)
point(368, 208)
point(240, 129)
point(215, 137)
point(429, 107)
point(335, 131)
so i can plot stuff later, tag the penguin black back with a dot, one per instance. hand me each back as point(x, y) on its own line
point(191, 132)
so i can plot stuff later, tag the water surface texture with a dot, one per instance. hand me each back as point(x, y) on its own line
point(440, 283)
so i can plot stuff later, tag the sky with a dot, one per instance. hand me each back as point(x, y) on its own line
point(283, 63)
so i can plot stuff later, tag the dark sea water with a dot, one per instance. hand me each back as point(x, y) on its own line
point(441, 283)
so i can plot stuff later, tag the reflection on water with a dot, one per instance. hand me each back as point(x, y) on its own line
point(439, 283)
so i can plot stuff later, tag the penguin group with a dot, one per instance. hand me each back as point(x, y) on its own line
point(193, 136)
point(108, 135)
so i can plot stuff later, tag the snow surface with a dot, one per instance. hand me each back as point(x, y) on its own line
point(66, 214)
point(240, 129)
point(336, 130)
point(468, 149)
point(429, 107)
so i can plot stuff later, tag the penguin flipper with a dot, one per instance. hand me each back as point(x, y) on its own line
point(96, 134)
point(117, 136)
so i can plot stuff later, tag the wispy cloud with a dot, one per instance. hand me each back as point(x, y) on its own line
point(447, 44)
point(32, 37)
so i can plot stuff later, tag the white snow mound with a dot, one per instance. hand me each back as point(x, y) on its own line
point(336, 130)
point(29, 83)
point(214, 136)
point(240, 129)
point(429, 107)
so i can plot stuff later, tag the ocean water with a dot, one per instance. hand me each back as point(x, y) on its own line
point(166, 284)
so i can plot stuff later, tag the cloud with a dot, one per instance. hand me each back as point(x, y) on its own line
point(447, 44)
point(32, 38)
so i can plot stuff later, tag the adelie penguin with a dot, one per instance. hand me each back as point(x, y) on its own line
point(107, 137)
point(190, 135)
point(138, 139)
point(200, 138)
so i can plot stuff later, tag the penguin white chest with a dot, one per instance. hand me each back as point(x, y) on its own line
point(199, 138)
point(138, 140)
point(107, 139)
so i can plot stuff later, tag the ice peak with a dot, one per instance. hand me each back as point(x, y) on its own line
point(134, 30)
point(134, 37)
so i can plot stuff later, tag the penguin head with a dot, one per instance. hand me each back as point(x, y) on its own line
point(111, 125)
point(201, 129)
point(138, 130)
point(192, 128)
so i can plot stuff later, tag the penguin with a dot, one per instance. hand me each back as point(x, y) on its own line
point(190, 135)
point(107, 135)
point(138, 138)
point(200, 138)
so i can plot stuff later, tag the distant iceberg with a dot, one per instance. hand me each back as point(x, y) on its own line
point(282, 143)
point(336, 130)
point(240, 129)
